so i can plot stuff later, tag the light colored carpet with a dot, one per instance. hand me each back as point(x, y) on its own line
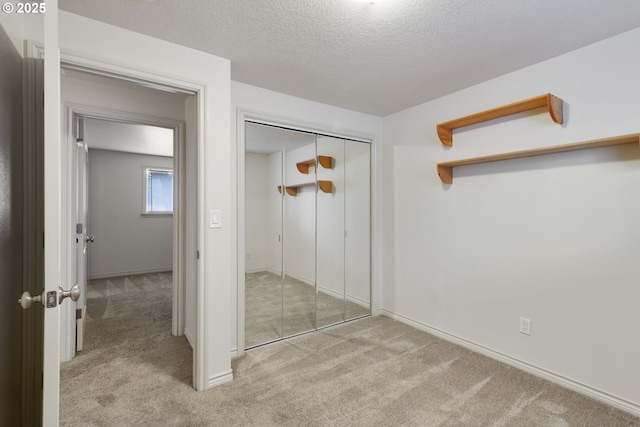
point(274, 310)
point(371, 372)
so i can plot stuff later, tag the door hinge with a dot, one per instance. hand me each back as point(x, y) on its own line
point(197, 254)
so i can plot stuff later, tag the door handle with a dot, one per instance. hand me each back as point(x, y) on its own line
point(27, 300)
point(90, 239)
point(73, 293)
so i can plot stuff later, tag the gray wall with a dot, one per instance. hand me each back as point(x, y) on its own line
point(126, 241)
point(10, 230)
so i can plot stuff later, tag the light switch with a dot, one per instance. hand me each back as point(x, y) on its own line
point(214, 219)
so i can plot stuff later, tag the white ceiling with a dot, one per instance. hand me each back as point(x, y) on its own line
point(128, 137)
point(375, 58)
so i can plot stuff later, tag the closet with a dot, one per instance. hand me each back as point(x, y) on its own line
point(307, 232)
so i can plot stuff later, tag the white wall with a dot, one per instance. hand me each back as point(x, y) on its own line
point(258, 213)
point(330, 221)
point(300, 217)
point(553, 239)
point(127, 242)
point(311, 115)
point(357, 212)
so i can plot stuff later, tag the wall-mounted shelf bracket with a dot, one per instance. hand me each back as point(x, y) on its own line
point(445, 169)
point(326, 186)
point(325, 161)
point(552, 103)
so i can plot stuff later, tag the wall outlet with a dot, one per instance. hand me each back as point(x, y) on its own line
point(525, 326)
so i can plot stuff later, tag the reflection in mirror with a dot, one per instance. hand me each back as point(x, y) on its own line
point(343, 242)
point(263, 231)
point(307, 232)
point(299, 291)
point(330, 240)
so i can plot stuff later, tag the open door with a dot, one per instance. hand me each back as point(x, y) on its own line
point(55, 292)
point(13, 321)
point(82, 237)
point(30, 168)
point(30, 142)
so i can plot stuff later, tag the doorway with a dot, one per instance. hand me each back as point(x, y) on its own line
point(124, 216)
point(108, 119)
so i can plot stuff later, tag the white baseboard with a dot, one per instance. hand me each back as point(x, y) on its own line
point(234, 353)
point(129, 273)
point(304, 280)
point(263, 270)
point(329, 292)
point(338, 295)
point(220, 379)
point(576, 386)
point(358, 301)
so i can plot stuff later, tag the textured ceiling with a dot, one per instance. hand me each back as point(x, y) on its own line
point(375, 58)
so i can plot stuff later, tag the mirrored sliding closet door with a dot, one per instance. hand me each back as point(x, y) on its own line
point(307, 232)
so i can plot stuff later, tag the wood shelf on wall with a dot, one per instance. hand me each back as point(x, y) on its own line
point(292, 190)
point(325, 162)
point(552, 103)
point(445, 169)
point(303, 166)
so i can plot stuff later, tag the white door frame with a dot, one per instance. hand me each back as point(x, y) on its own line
point(244, 116)
point(53, 255)
point(71, 110)
point(161, 81)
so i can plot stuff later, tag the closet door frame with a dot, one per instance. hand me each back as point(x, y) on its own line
point(244, 116)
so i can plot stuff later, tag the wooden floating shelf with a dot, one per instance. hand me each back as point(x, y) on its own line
point(445, 170)
point(292, 190)
point(303, 167)
point(552, 103)
point(325, 162)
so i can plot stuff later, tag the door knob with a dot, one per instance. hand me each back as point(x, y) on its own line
point(26, 300)
point(73, 293)
point(90, 239)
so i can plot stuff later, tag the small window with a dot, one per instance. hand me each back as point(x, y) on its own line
point(158, 189)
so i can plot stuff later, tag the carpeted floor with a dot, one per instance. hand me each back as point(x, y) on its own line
point(275, 310)
point(371, 372)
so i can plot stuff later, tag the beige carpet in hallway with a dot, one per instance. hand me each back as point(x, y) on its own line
point(371, 372)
